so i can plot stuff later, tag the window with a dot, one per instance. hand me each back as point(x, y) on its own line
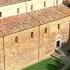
point(44, 3)
point(18, 10)
point(32, 34)
point(31, 7)
point(16, 39)
point(0, 14)
point(56, 1)
point(26, 0)
point(46, 30)
point(58, 26)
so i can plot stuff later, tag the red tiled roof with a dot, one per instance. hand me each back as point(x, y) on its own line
point(9, 2)
point(32, 19)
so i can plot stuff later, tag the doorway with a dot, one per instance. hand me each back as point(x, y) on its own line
point(58, 44)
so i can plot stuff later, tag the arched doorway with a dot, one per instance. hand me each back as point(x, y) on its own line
point(58, 44)
point(58, 41)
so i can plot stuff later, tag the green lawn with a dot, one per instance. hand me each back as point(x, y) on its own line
point(48, 64)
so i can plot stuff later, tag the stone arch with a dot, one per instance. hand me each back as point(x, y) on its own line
point(58, 41)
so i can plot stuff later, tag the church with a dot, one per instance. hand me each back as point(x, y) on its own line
point(30, 30)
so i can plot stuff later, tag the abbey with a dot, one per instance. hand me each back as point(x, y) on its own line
point(30, 31)
point(14, 7)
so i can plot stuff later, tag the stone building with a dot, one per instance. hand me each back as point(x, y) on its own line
point(27, 38)
point(30, 33)
point(15, 7)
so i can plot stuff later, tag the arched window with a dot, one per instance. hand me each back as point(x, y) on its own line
point(0, 14)
point(58, 26)
point(56, 1)
point(44, 3)
point(17, 10)
point(31, 7)
point(32, 34)
point(46, 30)
point(16, 39)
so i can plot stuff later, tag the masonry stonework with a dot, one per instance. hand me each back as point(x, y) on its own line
point(1, 55)
point(24, 40)
point(29, 50)
point(26, 51)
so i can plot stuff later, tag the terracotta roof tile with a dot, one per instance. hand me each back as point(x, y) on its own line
point(9, 2)
point(32, 19)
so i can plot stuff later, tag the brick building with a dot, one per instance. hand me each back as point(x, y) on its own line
point(32, 36)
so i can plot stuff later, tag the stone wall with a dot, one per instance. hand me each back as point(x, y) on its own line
point(29, 50)
point(23, 53)
point(48, 41)
point(1, 55)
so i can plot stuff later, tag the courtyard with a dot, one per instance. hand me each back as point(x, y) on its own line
point(47, 64)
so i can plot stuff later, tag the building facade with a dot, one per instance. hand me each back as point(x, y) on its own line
point(28, 38)
point(15, 7)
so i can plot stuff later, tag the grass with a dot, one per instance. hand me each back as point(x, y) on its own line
point(47, 64)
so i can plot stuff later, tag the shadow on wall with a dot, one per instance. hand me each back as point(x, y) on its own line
point(66, 2)
point(66, 46)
